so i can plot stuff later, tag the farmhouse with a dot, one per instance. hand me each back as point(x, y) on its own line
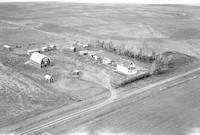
point(40, 60)
point(29, 52)
point(127, 68)
point(7, 47)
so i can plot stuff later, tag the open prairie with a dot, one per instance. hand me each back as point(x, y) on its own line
point(174, 111)
point(153, 27)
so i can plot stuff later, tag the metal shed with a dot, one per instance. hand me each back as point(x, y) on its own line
point(40, 60)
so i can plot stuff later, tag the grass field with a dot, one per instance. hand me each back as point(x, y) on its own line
point(157, 27)
point(171, 112)
point(152, 27)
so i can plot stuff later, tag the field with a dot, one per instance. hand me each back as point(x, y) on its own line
point(161, 28)
point(24, 93)
point(174, 111)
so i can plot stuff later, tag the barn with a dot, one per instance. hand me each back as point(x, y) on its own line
point(40, 60)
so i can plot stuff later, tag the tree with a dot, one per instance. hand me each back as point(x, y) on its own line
point(153, 56)
point(160, 64)
point(140, 53)
point(156, 66)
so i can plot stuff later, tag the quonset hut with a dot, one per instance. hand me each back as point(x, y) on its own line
point(40, 60)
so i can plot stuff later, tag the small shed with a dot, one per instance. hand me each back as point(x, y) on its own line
point(52, 47)
point(97, 57)
point(49, 78)
point(40, 60)
point(73, 48)
point(85, 45)
point(7, 47)
point(29, 52)
point(76, 73)
point(44, 49)
point(106, 61)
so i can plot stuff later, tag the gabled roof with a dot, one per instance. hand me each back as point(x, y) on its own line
point(37, 57)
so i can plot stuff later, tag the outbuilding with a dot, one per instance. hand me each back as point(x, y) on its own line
point(52, 47)
point(29, 52)
point(97, 57)
point(44, 49)
point(106, 61)
point(40, 60)
point(73, 48)
point(76, 73)
point(84, 45)
point(49, 78)
point(7, 47)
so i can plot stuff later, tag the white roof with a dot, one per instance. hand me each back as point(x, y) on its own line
point(48, 76)
point(52, 45)
point(76, 71)
point(45, 47)
point(7, 46)
point(33, 50)
point(37, 57)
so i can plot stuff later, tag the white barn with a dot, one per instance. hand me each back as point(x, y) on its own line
point(127, 68)
point(40, 60)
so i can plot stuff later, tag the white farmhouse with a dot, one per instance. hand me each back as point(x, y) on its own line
point(127, 68)
point(40, 60)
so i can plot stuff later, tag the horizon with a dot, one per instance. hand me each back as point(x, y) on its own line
point(175, 2)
